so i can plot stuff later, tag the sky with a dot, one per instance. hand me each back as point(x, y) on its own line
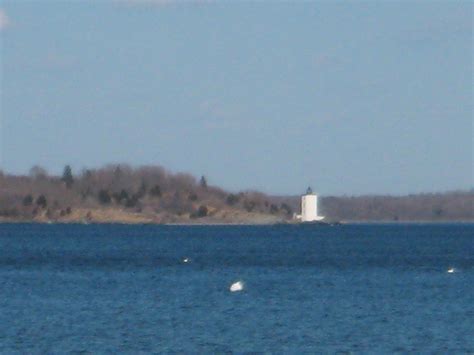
point(349, 97)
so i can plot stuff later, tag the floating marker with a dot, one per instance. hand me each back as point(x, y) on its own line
point(236, 286)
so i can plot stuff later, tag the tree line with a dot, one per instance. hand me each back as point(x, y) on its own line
point(147, 189)
point(152, 190)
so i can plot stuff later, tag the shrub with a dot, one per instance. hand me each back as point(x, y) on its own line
point(132, 201)
point(122, 196)
point(28, 200)
point(41, 201)
point(249, 205)
point(201, 212)
point(273, 209)
point(9, 212)
point(437, 211)
point(155, 191)
point(232, 199)
point(287, 209)
point(104, 197)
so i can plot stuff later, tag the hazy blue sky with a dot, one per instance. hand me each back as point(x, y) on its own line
point(350, 97)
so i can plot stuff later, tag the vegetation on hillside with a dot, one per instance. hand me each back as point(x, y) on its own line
point(150, 194)
point(123, 193)
point(447, 206)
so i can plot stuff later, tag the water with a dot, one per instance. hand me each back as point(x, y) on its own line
point(354, 288)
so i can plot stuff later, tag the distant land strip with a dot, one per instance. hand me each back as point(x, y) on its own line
point(151, 194)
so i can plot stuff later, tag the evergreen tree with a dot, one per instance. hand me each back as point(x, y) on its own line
point(203, 182)
point(118, 173)
point(41, 201)
point(142, 190)
point(104, 197)
point(67, 176)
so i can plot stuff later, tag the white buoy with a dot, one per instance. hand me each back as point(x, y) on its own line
point(451, 270)
point(236, 286)
point(185, 260)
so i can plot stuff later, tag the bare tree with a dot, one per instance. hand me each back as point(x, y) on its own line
point(37, 172)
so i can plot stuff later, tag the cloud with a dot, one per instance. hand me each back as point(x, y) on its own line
point(4, 20)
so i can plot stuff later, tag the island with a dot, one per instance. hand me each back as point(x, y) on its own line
point(120, 193)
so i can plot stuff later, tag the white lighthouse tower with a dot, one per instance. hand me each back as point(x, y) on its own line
point(309, 207)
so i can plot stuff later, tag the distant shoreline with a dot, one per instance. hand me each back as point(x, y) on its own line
point(256, 224)
point(153, 195)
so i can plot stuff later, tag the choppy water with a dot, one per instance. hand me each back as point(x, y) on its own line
point(359, 288)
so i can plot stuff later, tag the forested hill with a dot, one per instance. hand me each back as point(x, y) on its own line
point(119, 193)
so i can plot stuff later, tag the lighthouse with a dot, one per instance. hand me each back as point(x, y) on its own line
point(309, 207)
